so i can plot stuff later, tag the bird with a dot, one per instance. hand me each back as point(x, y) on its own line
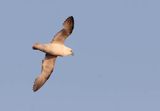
point(52, 50)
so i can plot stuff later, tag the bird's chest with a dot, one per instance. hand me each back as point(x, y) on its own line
point(57, 49)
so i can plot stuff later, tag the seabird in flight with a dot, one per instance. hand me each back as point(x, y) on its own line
point(53, 49)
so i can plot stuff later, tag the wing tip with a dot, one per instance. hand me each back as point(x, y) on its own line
point(71, 18)
point(69, 24)
point(35, 86)
point(34, 90)
point(38, 83)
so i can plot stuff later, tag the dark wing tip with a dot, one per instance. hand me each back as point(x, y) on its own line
point(38, 83)
point(69, 24)
point(35, 86)
point(35, 89)
point(70, 18)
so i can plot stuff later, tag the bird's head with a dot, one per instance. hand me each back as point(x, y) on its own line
point(68, 51)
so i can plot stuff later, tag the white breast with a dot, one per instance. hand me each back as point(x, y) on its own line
point(57, 49)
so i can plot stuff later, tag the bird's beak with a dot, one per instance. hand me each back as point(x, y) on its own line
point(72, 54)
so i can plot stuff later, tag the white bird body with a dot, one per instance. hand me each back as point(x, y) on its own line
point(53, 49)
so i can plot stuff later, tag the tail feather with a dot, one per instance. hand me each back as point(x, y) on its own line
point(38, 46)
point(42, 47)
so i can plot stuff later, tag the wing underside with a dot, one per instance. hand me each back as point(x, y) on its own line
point(68, 26)
point(47, 68)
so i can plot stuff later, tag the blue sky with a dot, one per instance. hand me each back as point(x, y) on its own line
point(116, 66)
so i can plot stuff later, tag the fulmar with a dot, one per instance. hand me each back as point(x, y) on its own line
point(53, 49)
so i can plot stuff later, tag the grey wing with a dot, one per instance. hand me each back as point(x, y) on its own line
point(68, 26)
point(47, 68)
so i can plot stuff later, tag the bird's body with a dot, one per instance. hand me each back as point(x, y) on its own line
point(53, 49)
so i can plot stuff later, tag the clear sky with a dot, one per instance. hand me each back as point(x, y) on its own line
point(116, 66)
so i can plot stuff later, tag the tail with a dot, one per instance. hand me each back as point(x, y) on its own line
point(38, 46)
point(39, 82)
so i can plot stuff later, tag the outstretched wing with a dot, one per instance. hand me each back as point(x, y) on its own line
point(68, 26)
point(47, 68)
